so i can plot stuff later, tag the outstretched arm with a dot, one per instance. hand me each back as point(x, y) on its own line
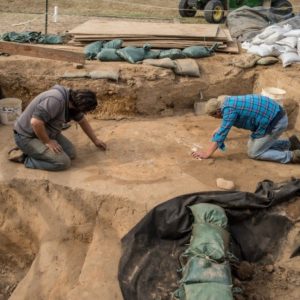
point(208, 153)
point(87, 129)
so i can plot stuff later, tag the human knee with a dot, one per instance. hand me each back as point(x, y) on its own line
point(72, 153)
point(252, 153)
point(63, 162)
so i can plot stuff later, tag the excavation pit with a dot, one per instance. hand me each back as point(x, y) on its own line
point(60, 232)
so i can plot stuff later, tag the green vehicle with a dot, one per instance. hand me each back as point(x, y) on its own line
point(214, 10)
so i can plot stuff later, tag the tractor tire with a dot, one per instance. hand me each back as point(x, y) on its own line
point(185, 10)
point(281, 7)
point(214, 12)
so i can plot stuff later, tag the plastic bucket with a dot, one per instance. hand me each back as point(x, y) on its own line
point(199, 108)
point(274, 93)
point(10, 110)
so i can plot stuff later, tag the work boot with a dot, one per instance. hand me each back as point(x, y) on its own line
point(16, 155)
point(296, 156)
point(295, 143)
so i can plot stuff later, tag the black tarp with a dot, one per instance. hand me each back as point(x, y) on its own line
point(151, 250)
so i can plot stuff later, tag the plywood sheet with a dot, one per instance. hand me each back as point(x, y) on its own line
point(121, 28)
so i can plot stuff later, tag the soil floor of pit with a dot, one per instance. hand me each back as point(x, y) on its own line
point(147, 161)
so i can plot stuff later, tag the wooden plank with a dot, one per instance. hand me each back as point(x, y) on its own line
point(142, 28)
point(41, 52)
point(232, 47)
point(169, 44)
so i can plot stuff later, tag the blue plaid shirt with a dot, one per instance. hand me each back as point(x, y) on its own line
point(252, 112)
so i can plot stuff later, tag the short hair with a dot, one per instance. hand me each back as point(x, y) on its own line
point(214, 104)
point(84, 100)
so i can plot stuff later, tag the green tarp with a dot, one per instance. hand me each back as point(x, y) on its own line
point(32, 37)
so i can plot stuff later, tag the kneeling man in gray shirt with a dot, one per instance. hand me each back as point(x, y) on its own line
point(37, 131)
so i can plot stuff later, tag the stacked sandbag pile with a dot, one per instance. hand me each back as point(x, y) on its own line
point(281, 41)
point(113, 51)
point(206, 273)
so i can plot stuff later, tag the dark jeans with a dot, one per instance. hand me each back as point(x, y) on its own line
point(40, 157)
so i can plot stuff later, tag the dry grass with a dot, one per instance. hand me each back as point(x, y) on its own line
point(133, 8)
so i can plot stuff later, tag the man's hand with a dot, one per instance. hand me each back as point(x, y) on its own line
point(200, 154)
point(54, 146)
point(206, 154)
point(101, 145)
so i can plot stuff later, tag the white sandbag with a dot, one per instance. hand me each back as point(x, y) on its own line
point(273, 38)
point(288, 58)
point(283, 49)
point(298, 46)
point(290, 41)
point(264, 50)
point(294, 32)
point(257, 41)
point(246, 45)
point(268, 31)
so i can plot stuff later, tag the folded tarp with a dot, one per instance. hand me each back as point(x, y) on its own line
point(32, 37)
point(245, 22)
point(151, 251)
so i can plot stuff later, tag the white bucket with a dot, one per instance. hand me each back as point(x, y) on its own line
point(10, 110)
point(274, 93)
point(199, 108)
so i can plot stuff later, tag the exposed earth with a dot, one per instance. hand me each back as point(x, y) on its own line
point(60, 232)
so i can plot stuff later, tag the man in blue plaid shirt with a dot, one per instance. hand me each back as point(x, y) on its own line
point(264, 117)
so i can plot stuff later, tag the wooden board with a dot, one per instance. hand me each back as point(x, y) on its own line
point(41, 52)
point(168, 44)
point(120, 28)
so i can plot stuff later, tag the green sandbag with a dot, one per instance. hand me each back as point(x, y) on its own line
point(172, 53)
point(179, 293)
point(108, 55)
point(113, 44)
point(132, 54)
point(197, 51)
point(201, 270)
point(208, 241)
point(50, 39)
point(209, 213)
point(91, 50)
point(152, 54)
point(207, 291)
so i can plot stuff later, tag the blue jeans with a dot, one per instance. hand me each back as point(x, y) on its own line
point(38, 155)
point(269, 147)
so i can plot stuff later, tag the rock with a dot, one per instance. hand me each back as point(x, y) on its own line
point(225, 184)
point(78, 66)
point(245, 271)
point(269, 268)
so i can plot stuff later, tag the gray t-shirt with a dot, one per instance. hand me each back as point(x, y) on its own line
point(52, 107)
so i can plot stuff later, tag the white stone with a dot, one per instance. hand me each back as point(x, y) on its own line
point(225, 184)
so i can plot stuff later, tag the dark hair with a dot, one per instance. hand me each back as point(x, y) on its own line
point(83, 100)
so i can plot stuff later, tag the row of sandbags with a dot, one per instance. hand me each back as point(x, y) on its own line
point(282, 41)
point(113, 51)
point(206, 273)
